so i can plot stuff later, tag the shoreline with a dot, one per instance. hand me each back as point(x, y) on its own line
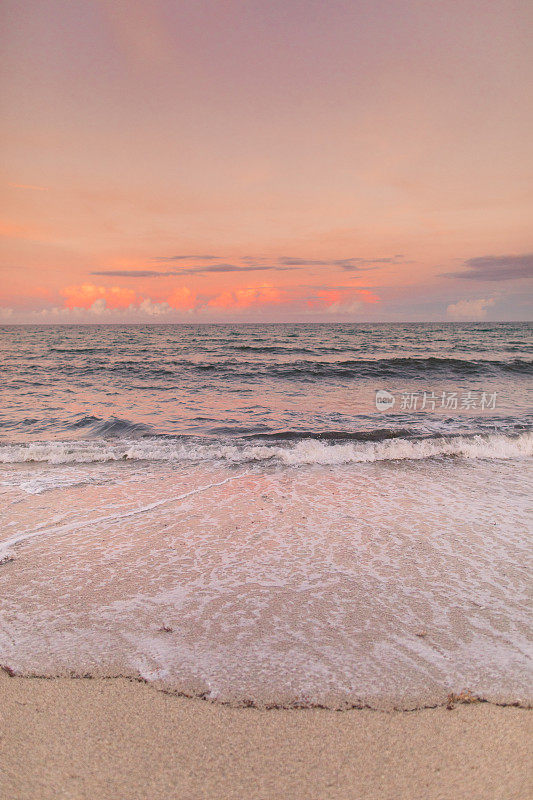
point(449, 702)
point(115, 738)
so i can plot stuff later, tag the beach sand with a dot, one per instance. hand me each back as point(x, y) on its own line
point(116, 739)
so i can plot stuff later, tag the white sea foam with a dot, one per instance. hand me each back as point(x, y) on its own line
point(305, 452)
point(389, 587)
point(77, 526)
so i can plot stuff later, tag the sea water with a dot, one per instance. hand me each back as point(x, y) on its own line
point(224, 511)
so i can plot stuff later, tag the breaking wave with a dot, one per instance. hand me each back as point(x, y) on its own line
point(290, 453)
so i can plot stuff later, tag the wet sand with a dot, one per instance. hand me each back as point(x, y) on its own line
point(115, 739)
point(332, 587)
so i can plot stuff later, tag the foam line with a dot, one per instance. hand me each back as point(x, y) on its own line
point(14, 540)
point(307, 451)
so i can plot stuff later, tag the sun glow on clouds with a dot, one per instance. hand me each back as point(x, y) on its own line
point(99, 299)
point(183, 298)
point(247, 297)
point(86, 295)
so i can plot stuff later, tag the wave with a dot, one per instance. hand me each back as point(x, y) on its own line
point(268, 348)
point(300, 453)
point(297, 369)
point(396, 368)
point(77, 350)
point(114, 426)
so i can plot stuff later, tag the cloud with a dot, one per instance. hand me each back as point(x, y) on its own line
point(470, 309)
point(247, 297)
point(496, 268)
point(341, 299)
point(6, 312)
point(87, 294)
point(234, 268)
point(349, 264)
point(256, 263)
point(354, 267)
point(99, 299)
point(183, 298)
point(154, 309)
point(100, 308)
point(89, 300)
point(211, 268)
point(247, 264)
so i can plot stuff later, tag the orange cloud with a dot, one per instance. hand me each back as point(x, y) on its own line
point(246, 297)
point(183, 298)
point(87, 294)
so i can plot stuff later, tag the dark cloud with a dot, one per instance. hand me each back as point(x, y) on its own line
point(247, 264)
point(327, 287)
point(235, 268)
point(303, 262)
point(152, 273)
point(348, 264)
point(349, 267)
point(496, 268)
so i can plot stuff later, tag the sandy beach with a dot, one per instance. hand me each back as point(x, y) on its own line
point(266, 416)
point(94, 739)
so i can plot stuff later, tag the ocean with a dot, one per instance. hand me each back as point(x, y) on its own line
point(275, 515)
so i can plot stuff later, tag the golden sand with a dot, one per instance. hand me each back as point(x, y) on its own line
point(115, 739)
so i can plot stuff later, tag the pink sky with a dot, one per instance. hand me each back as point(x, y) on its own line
point(212, 160)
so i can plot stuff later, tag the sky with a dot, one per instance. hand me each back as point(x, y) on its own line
point(266, 160)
